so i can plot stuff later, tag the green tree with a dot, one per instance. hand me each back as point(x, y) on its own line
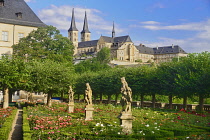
point(45, 43)
point(167, 75)
point(12, 75)
point(90, 65)
point(49, 77)
point(198, 65)
point(103, 56)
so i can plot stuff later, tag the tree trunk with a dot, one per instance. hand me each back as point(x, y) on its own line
point(109, 99)
point(62, 94)
point(170, 98)
point(6, 97)
point(116, 97)
point(49, 101)
point(101, 97)
point(142, 100)
point(78, 97)
point(185, 102)
point(201, 102)
point(10, 95)
point(95, 97)
point(153, 100)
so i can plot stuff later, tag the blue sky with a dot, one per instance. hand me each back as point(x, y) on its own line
point(151, 22)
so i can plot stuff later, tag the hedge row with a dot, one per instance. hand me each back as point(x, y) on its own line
point(7, 126)
point(26, 128)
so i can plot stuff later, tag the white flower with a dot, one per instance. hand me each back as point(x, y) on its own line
point(143, 134)
point(147, 125)
point(118, 133)
point(102, 125)
point(97, 124)
point(153, 132)
point(187, 137)
point(155, 123)
point(140, 131)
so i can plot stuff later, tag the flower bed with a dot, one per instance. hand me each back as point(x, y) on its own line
point(6, 119)
point(55, 123)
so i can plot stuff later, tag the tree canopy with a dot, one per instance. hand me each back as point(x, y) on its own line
point(44, 43)
point(103, 56)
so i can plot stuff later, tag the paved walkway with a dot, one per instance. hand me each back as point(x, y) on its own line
point(17, 131)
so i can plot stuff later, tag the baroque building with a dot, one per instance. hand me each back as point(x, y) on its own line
point(17, 20)
point(121, 48)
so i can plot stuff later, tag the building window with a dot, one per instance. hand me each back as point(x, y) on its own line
point(1, 2)
point(19, 14)
point(20, 35)
point(4, 36)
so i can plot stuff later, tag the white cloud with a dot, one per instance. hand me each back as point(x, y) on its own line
point(150, 22)
point(198, 26)
point(60, 17)
point(190, 45)
point(198, 42)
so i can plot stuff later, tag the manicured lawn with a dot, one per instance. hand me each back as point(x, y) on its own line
point(55, 123)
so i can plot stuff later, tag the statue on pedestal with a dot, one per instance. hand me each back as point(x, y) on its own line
point(71, 94)
point(71, 100)
point(126, 114)
point(88, 95)
point(89, 107)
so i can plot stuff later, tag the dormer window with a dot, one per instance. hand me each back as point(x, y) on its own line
point(1, 2)
point(19, 14)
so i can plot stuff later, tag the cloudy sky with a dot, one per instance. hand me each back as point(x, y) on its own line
point(151, 22)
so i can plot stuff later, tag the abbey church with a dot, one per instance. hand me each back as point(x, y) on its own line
point(17, 20)
point(122, 48)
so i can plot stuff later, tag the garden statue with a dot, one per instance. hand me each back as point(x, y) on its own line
point(89, 107)
point(88, 95)
point(71, 94)
point(126, 114)
point(71, 100)
point(126, 96)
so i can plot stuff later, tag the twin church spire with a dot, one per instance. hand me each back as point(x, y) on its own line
point(73, 31)
point(85, 33)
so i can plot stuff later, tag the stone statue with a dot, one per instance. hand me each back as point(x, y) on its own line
point(71, 94)
point(88, 95)
point(126, 96)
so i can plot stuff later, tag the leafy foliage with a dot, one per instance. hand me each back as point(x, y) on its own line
point(103, 56)
point(45, 43)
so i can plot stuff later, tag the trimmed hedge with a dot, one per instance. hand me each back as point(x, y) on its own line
point(7, 126)
point(27, 133)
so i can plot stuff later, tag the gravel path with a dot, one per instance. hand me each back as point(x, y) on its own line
point(17, 131)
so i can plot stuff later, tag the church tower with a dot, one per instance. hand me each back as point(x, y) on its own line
point(85, 34)
point(113, 31)
point(73, 33)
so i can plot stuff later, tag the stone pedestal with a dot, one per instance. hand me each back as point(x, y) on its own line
point(70, 107)
point(126, 119)
point(163, 105)
point(89, 113)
